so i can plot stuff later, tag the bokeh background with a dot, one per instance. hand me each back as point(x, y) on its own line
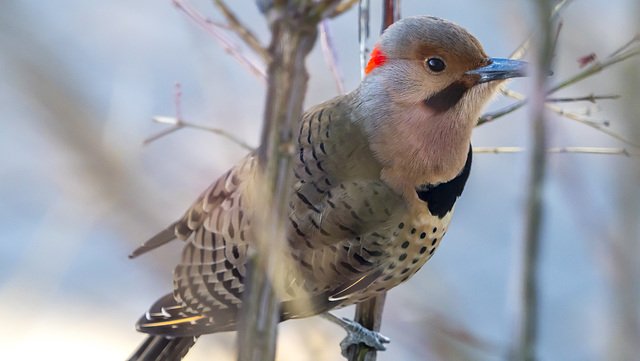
point(80, 81)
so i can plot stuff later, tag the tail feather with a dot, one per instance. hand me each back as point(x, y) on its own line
point(161, 348)
point(165, 236)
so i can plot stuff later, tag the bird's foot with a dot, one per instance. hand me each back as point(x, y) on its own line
point(356, 333)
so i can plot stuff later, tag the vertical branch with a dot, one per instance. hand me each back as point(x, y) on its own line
point(623, 254)
point(330, 54)
point(292, 39)
point(369, 313)
point(390, 13)
point(363, 33)
point(525, 332)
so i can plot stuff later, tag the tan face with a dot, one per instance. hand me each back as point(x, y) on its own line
point(429, 57)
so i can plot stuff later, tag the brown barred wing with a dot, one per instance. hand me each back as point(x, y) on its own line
point(210, 277)
point(209, 281)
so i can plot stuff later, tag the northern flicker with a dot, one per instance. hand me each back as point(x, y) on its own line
point(378, 172)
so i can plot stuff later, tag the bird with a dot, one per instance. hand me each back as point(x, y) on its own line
point(377, 174)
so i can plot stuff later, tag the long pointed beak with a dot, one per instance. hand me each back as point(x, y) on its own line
point(500, 69)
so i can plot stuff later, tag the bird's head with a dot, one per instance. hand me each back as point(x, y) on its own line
point(425, 86)
point(428, 60)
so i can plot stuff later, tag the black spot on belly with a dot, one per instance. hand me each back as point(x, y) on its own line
point(440, 198)
point(447, 98)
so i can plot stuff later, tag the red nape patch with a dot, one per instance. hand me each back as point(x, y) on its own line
point(377, 59)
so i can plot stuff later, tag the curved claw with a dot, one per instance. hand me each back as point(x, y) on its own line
point(357, 333)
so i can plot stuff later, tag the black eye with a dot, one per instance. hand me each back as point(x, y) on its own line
point(436, 64)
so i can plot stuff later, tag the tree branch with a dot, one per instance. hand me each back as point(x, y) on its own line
point(525, 333)
point(363, 33)
point(292, 40)
point(582, 150)
point(247, 60)
point(589, 98)
point(369, 315)
point(243, 32)
point(341, 8)
point(330, 54)
point(179, 124)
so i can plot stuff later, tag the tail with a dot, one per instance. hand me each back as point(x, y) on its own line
point(162, 348)
point(165, 236)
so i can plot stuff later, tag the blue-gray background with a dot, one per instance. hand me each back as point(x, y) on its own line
point(80, 81)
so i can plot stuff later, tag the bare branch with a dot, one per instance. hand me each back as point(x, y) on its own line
point(523, 48)
point(369, 315)
point(330, 54)
point(230, 46)
point(596, 66)
point(600, 125)
point(554, 44)
point(161, 134)
point(575, 115)
point(341, 8)
point(580, 150)
point(491, 116)
point(363, 34)
point(323, 9)
point(292, 39)
point(179, 124)
point(525, 330)
point(626, 46)
point(242, 31)
point(589, 98)
point(390, 12)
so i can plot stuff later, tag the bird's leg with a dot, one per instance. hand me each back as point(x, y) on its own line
point(356, 333)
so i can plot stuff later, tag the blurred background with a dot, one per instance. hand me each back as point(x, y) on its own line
point(81, 80)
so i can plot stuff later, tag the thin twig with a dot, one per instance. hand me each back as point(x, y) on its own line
point(390, 13)
point(323, 9)
point(578, 150)
point(363, 34)
point(599, 125)
point(594, 68)
point(589, 98)
point(243, 32)
point(627, 45)
point(230, 46)
point(523, 48)
point(179, 124)
point(161, 134)
point(342, 7)
point(523, 344)
point(575, 114)
point(561, 5)
point(491, 116)
point(330, 54)
point(556, 36)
